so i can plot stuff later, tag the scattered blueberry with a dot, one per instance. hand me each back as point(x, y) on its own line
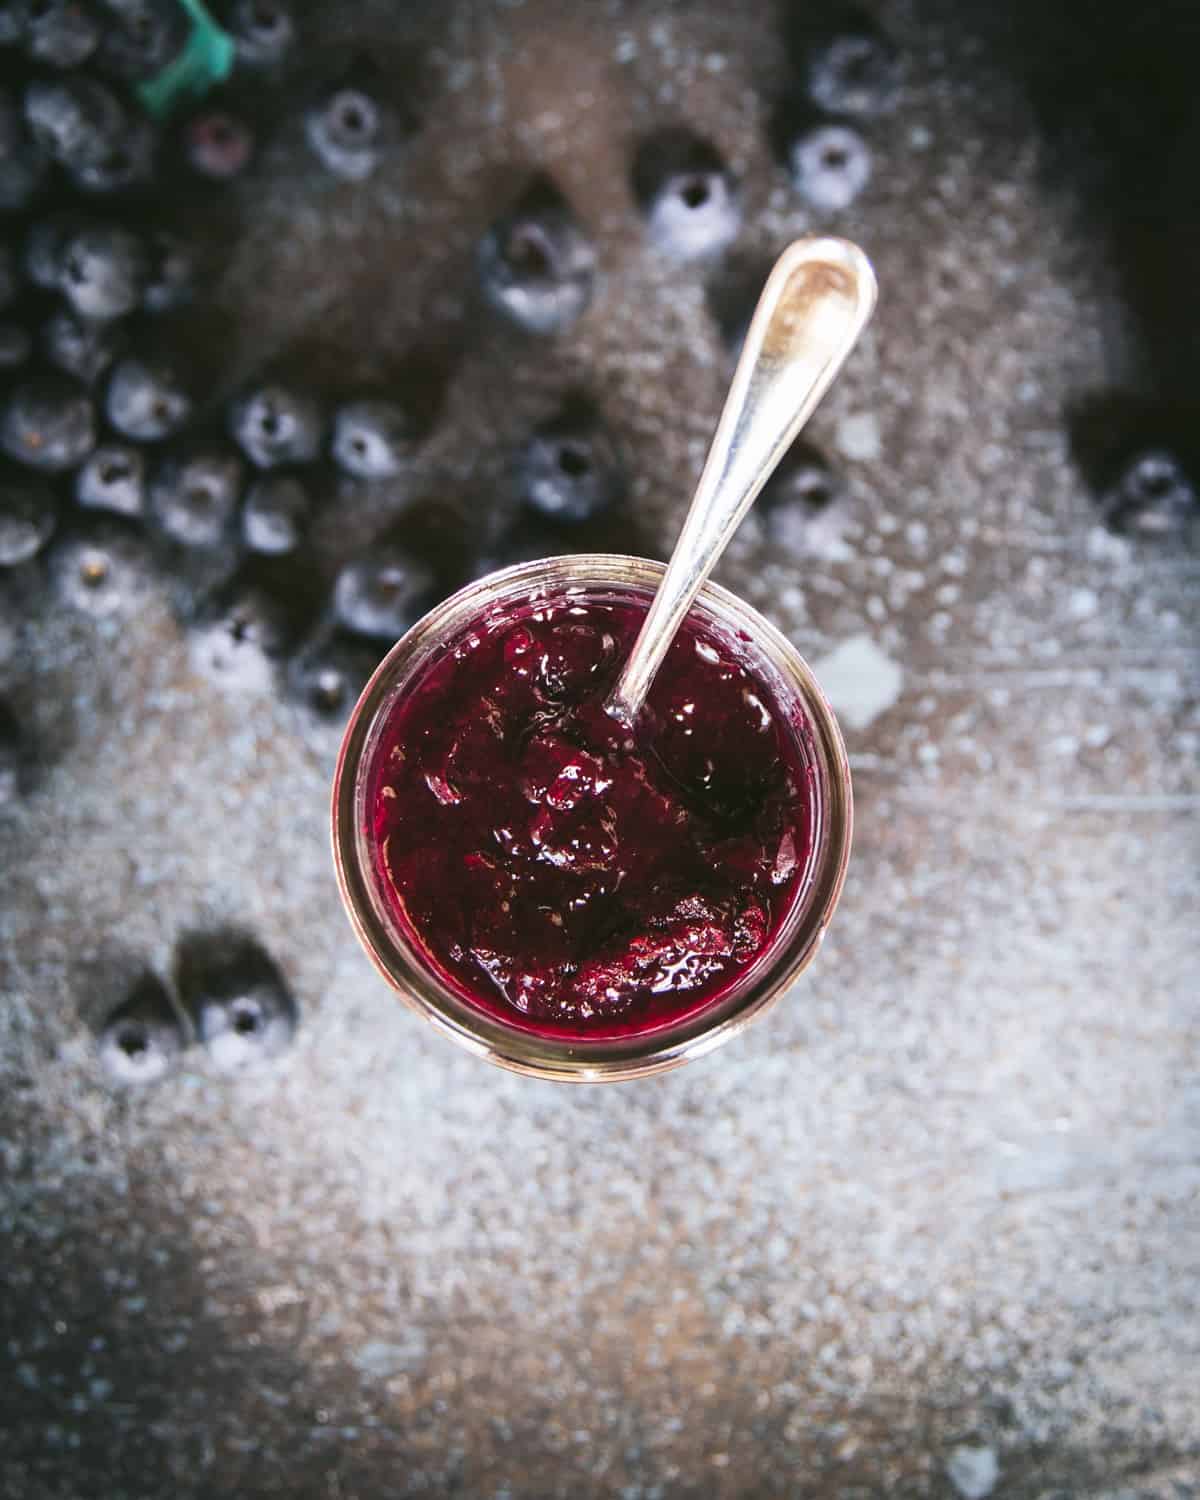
point(370, 437)
point(142, 1039)
point(194, 494)
point(171, 274)
point(244, 1011)
point(1152, 494)
point(383, 593)
point(113, 477)
point(100, 568)
point(327, 675)
point(275, 514)
point(569, 470)
point(80, 347)
point(344, 129)
point(217, 144)
point(102, 271)
point(263, 30)
point(273, 424)
point(801, 487)
point(23, 165)
point(49, 423)
point(11, 754)
point(240, 640)
point(146, 399)
point(830, 165)
point(687, 196)
point(77, 121)
point(62, 33)
point(535, 264)
point(141, 37)
point(850, 67)
point(27, 516)
point(15, 346)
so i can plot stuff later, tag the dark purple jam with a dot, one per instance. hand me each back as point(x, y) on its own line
point(565, 874)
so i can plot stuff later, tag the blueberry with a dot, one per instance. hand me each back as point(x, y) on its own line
point(383, 593)
point(79, 346)
point(217, 144)
point(239, 641)
point(528, 540)
point(23, 165)
point(113, 478)
point(263, 30)
point(15, 346)
point(830, 165)
point(143, 1038)
point(77, 121)
point(44, 245)
point(1150, 495)
point(27, 516)
point(569, 469)
point(129, 161)
point(275, 514)
point(12, 754)
point(329, 673)
point(801, 487)
point(370, 437)
point(102, 271)
point(687, 196)
point(141, 38)
point(344, 130)
point(535, 264)
point(146, 399)
point(273, 424)
point(49, 423)
point(194, 494)
point(100, 568)
point(171, 274)
point(62, 33)
point(244, 1011)
point(850, 67)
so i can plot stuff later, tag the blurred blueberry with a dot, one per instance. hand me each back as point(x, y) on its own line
point(171, 273)
point(239, 641)
point(263, 30)
point(569, 470)
point(275, 514)
point(527, 540)
point(48, 423)
point(101, 567)
point(62, 33)
point(129, 162)
point(15, 346)
point(801, 487)
point(686, 194)
point(194, 494)
point(275, 424)
point(102, 271)
point(141, 37)
point(24, 166)
point(217, 144)
point(80, 347)
point(384, 592)
point(143, 1038)
point(329, 672)
point(1150, 495)
point(850, 66)
point(28, 513)
point(370, 437)
point(146, 399)
point(113, 478)
point(78, 121)
point(535, 264)
point(45, 242)
point(243, 1008)
point(344, 130)
point(830, 165)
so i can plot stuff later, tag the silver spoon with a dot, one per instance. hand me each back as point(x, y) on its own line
point(816, 302)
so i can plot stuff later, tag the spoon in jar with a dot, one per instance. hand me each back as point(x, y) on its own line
point(816, 303)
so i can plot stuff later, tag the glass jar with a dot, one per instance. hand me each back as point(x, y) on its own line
point(797, 697)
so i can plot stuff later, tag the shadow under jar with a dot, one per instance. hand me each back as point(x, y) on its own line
point(555, 892)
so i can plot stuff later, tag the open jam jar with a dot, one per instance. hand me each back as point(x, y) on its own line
point(570, 897)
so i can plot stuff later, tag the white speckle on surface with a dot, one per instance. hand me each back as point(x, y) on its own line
point(857, 437)
point(973, 1471)
point(1082, 604)
point(859, 680)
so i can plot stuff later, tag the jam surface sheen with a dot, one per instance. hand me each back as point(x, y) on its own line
point(563, 873)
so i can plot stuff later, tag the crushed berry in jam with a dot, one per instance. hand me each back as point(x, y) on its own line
point(563, 873)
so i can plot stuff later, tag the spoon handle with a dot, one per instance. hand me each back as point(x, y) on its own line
point(816, 302)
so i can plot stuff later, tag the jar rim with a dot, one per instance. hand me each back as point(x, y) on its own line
point(568, 1058)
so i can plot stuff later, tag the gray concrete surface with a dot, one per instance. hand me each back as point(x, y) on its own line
point(931, 1228)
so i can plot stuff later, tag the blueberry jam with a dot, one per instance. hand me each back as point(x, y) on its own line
point(568, 876)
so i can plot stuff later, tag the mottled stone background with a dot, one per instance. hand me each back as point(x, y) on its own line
point(945, 1199)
